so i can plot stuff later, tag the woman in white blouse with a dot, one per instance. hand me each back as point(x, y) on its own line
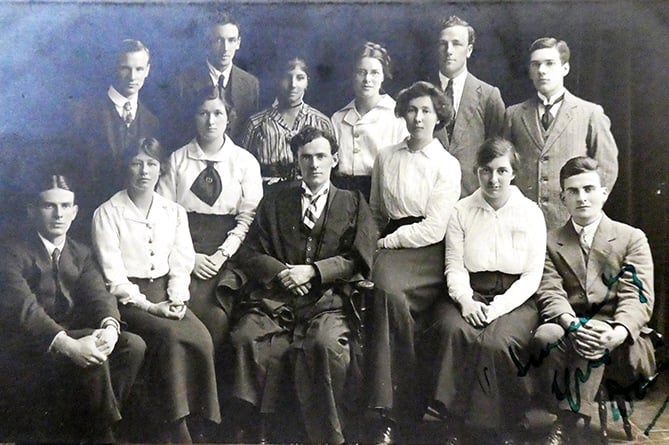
point(368, 123)
point(495, 250)
point(414, 186)
point(144, 247)
point(219, 185)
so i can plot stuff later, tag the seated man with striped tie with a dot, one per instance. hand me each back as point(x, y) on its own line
point(595, 299)
point(65, 365)
point(294, 337)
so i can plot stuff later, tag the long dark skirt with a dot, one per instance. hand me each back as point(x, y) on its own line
point(407, 282)
point(476, 379)
point(208, 233)
point(179, 364)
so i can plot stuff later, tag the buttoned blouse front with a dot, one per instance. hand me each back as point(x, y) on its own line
point(132, 245)
point(424, 183)
point(361, 138)
point(240, 180)
point(511, 239)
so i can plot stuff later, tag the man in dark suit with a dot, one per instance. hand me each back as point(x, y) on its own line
point(107, 127)
point(555, 126)
point(305, 247)
point(241, 89)
point(479, 108)
point(65, 365)
point(595, 299)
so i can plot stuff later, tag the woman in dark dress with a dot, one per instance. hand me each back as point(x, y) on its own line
point(144, 247)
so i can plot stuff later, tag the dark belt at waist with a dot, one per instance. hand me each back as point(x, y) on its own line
point(155, 289)
point(491, 283)
point(395, 224)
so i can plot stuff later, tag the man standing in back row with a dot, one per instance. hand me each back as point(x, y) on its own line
point(555, 126)
point(478, 106)
point(240, 89)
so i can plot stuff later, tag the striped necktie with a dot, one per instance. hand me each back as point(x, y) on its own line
point(61, 302)
point(127, 114)
point(310, 217)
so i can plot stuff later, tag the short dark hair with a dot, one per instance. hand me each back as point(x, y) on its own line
point(454, 20)
point(442, 107)
point(497, 147)
point(291, 64)
point(378, 52)
point(222, 17)
point(133, 46)
point(308, 134)
point(552, 42)
point(576, 166)
point(148, 146)
point(47, 181)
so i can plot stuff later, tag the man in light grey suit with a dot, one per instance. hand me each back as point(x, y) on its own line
point(240, 89)
point(479, 108)
point(555, 126)
point(595, 300)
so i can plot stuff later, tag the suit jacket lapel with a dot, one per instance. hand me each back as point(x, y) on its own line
point(290, 213)
point(237, 89)
point(600, 249)
point(529, 119)
point(112, 122)
point(67, 263)
point(564, 116)
point(571, 253)
point(471, 96)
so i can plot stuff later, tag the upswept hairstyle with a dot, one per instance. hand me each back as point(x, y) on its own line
point(421, 88)
point(378, 52)
point(497, 147)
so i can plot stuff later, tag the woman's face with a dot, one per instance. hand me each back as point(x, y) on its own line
point(211, 119)
point(495, 179)
point(292, 86)
point(368, 77)
point(421, 117)
point(143, 173)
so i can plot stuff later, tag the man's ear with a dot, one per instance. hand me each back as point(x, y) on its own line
point(605, 192)
point(75, 210)
point(562, 196)
point(565, 69)
point(335, 158)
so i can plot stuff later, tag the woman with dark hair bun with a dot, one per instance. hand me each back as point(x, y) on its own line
point(145, 250)
point(219, 185)
point(495, 250)
point(414, 186)
point(268, 133)
point(368, 122)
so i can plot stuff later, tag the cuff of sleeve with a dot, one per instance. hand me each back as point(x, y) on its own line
point(143, 304)
point(231, 244)
point(178, 293)
point(55, 345)
point(494, 312)
point(110, 321)
point(390, 242)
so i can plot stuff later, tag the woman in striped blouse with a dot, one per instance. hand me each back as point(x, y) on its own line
point(268, 133)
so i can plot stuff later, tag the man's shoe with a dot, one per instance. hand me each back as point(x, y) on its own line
point(385, 436)
point(559, 435)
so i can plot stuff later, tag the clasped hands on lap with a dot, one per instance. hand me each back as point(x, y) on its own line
point(207, 266)
point(91, 350)
point(594, 338)
point(297, 279)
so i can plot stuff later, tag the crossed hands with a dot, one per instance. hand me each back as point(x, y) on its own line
point(474, 312)
point(91, 350)
point(297, 279)
point(592, 339)
point(168, 309)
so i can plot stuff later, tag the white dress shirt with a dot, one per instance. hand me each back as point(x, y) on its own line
point(130, 244)
point(308, 196)
point(214, 74)
point(511, 240)
point(589, 230)
point(543, 101)
point(458, 87)
point(422, 183)
point(240, 179)
point(120, 100)
point(361, 138)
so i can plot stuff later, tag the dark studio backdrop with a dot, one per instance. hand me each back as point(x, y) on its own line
point(54, 53)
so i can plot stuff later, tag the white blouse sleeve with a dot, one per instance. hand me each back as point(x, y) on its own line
point(167, 185)
point(181, 260)
point(457, 276)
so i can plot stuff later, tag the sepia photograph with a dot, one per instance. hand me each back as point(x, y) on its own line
point(334, 222)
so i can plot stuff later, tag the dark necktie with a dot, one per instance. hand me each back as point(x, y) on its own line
point(582, 240)
point(61, 303)
point(448, 93)
point(547, 118)
point(207, 186)
point(310, 217)
point(221, 82)
point(127, 114)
